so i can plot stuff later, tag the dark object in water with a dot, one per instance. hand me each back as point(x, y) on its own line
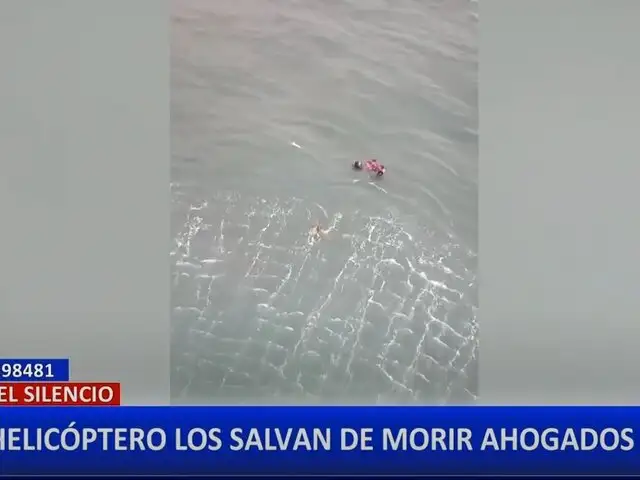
point(357, 165)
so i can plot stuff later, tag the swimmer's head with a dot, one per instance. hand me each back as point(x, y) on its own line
point(357, 165)
point(381, 170)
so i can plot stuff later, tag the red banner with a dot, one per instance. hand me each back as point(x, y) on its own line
point(61, 393)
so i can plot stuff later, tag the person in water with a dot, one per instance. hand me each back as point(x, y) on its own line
point(371, 166)
point(318, 233)
point(375, 167)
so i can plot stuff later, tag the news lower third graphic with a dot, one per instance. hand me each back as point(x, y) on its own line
point(62, 437)
point(47, 382)
point(320, 441)
point(34, 370)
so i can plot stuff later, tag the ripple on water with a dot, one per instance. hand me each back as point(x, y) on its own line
point(366, 315)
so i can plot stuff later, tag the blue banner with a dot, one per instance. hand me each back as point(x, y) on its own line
point(319, 440)
point(34, 370)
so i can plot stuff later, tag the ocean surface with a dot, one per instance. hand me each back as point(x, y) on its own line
point(271, 101)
